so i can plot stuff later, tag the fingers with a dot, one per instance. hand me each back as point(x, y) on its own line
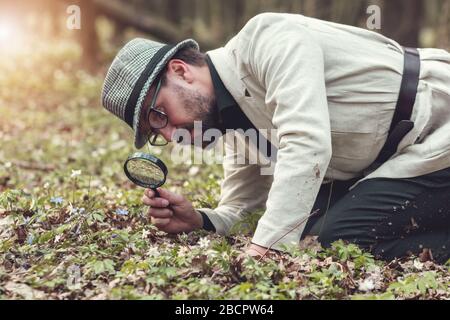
point(155, 202)
point(173, 198)
point(149, 193)
point(160, 213)
point(253, 253)
point(159, 222)
point(149, 198)
point(165, 198)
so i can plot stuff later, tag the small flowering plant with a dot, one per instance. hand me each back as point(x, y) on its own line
point(75, 173)
point(121, 212)
point(57, 200)
point(204, 243)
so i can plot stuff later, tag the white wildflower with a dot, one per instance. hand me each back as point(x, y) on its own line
point(153, 252)
point(145, 234)
point(8, 165)
point(194, 170)
point(96, 183)
point(183, 251)
point(58, 238)
point(212, 253)
point(366, 285)
point(99, 152)
point(203, 243)
point(75, 173)
point(418, 265)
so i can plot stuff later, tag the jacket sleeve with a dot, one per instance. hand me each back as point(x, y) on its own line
point(243, 190)
point(289, 63)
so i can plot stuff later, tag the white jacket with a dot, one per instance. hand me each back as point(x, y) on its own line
point(330, 91)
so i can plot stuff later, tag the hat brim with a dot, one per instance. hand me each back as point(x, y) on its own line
point(140, 138)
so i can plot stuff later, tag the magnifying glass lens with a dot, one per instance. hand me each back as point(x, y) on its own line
point(146, 172)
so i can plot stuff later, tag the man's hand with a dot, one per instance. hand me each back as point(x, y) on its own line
point(170, 212)
point(256, 251)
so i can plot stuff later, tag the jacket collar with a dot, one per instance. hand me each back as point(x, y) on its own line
point(223, 97)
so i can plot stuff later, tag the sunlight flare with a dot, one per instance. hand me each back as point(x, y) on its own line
point(10, 35)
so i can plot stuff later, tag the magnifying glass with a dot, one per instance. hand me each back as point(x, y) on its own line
point(146, 171)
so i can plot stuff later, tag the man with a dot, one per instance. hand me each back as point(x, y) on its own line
point(362, 132)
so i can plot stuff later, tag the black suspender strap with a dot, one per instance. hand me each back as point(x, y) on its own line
point(401, 124)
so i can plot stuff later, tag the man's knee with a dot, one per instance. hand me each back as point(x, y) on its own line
point(346, 230)
point(328, 234)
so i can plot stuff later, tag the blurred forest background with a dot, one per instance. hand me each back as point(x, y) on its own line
point(107, 24)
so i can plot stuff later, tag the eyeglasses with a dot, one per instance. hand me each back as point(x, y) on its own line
point(157, 120)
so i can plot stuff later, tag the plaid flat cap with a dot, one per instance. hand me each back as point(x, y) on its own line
point(130, 76)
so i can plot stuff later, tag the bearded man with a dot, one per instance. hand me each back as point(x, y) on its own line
point(362, 132)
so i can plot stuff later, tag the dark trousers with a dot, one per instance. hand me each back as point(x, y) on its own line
point(391, 218)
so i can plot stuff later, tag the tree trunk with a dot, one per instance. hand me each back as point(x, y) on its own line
point(173, 12)
point(88, 34)
point(402, 21)
point(444, 26)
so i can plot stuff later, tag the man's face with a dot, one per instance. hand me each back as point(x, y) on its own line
point(184, 100)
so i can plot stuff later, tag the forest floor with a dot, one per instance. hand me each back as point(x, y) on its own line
point(73, 227)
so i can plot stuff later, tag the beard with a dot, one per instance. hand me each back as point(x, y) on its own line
point(201, 107)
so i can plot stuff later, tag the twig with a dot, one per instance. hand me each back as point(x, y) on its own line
point(295, 227)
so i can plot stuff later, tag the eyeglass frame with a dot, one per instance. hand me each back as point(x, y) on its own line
point(150, 109)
